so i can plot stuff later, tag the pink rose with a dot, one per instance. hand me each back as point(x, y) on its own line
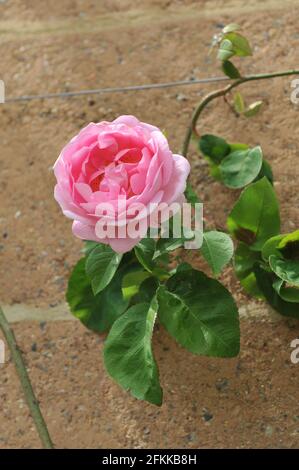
point(125, 160)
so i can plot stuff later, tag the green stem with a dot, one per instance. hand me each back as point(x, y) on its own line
point(25, 382)
point(223, 92)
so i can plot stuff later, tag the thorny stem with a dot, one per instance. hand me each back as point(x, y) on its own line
point(223, 92)
point(25, 382)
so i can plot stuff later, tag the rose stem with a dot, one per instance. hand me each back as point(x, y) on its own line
point(25, 382)
point(191, 130)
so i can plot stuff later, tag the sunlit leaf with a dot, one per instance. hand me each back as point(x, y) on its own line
point(200, 314)
point(239, 104)
point(101, 265)
point(214, 147)
point(253, 109)
point(230, 70)
point(128, 353)
point(226, 50)
point(239, 44)
point(230, 28)
point(255, 214)
point(217, 249)
point(241, 167)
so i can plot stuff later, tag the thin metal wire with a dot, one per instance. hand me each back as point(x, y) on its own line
point(98, 91)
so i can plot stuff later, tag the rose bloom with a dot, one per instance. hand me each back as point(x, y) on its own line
point(125, 160)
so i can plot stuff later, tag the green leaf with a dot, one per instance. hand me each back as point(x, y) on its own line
point(200, 314)
point(240, 45)
point(96, 312)
point(289, 294)
point(255, 216)
point(289, 239)
point(253, 109)
point(214, 170)
point(244, 262)
point(217, 249)
point(132, 281)
point(265, 282)
point(89, 245)
point(101, 265)
point(271, 247)
point(147, 290)
point(181, 268)
point(241, 167)
point(128, 353)
point(230, 70)
point(238, 146)
point(230, 28)
point(191, 195)
point(214, 147)
point(166, 245)
point(287, 270)
point(250, 286)
point(145, 251)
point(168, 242)
point(239, 104)
point(226, 50)
point(266, 170)
point(289, 246)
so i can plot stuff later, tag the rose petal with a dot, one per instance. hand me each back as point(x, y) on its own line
point(178, 181)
